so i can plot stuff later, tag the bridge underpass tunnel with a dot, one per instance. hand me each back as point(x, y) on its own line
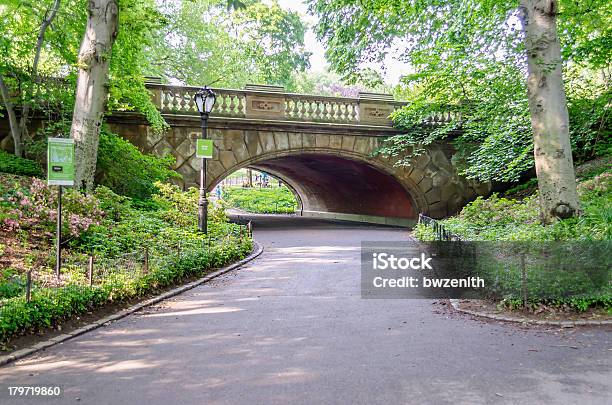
point(334, 184)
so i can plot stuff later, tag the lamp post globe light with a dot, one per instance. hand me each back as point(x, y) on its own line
point(205, 101)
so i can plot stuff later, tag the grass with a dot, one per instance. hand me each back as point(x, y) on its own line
point(271, 200)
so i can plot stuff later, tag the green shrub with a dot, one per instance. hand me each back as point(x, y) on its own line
point(172, 217)
point(109, 226)
point(502, 219)
point(30, 205)
point(129, 172)
point(12, 164)
point(578, 304)
point(12, 284)
point(273, 200)
point(115, 206)
point(497, 218)
point(424, 233)
point(50, 307)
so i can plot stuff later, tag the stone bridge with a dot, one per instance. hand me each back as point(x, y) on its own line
point(321, 147)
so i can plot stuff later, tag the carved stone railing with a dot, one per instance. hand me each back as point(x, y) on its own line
point(272, 103)
point(321, 109)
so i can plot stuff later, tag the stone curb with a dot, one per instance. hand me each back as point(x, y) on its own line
point(563, 324)
point(19, 354)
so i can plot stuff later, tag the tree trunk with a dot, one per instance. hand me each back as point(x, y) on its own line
point(249, 178)
point(92, 87)
point(549, 116)
point(10, 109)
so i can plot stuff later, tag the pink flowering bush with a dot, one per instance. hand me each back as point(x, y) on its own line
point(34, 207)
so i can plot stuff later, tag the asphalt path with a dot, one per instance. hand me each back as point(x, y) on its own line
point(292, 328)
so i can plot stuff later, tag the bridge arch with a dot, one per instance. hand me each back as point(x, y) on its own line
point(321, 146)
point(366, 187)
point(337, 183)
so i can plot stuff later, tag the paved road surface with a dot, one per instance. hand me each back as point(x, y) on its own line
point(291, 328)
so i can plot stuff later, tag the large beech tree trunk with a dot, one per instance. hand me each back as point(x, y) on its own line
point(549, 116)
point(249, 178)
point(92, 87)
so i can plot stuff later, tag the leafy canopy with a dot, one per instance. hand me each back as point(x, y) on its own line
point(220, 42)
point(467, 56)
point(52, 91)
point(204, 44)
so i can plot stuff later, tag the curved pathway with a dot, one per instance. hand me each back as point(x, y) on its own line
point(291, 327)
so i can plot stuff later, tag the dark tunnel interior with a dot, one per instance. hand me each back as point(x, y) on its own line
point(332, 183)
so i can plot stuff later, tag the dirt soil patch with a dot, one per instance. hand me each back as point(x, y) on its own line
point(542, 313)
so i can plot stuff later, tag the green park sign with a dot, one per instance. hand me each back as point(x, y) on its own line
point(204, 148)
point(60, 162)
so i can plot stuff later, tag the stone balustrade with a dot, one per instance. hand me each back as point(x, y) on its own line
point(273, 103)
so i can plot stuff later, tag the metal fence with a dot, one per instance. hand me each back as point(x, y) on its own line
point(89, 270)
point(442, 234)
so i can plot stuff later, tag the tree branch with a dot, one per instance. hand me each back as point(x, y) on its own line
point(10, 109)
point(25, 109)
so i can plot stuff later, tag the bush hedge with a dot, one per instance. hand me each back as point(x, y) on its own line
point(129, 172)
point(13, 164)
point(499, 219)
point(117, 233)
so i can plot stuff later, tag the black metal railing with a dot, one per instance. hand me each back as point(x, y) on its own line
point(442, 234)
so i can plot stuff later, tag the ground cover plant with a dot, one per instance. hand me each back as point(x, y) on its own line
point(509, 219)
point(10, 163)
point(268, 200)
point(117, 232)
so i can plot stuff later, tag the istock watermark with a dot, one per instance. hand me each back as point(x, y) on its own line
point(538, 270)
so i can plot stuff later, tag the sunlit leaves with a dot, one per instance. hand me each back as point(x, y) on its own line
point(19, 25)
point(205, 44)
point(468, 56)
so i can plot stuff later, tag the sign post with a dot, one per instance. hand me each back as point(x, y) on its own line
point(60, 172)
point(204, 150)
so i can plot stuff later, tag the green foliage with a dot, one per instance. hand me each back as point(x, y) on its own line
point(424, 233)
point(12, 284)
point(204, 43)
point(31, 207)
point(178, 206)
point(589, 109)
point(115, 206)
point(502, 219)
point(578, 304)
point(171, 220)
point(497, 219)
point(52, 92)
point(111, 228)
point(50, 307)
point(140, 20)
point(12, 164)
point(468, 59)
point(272, 200)
point(127, 171)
